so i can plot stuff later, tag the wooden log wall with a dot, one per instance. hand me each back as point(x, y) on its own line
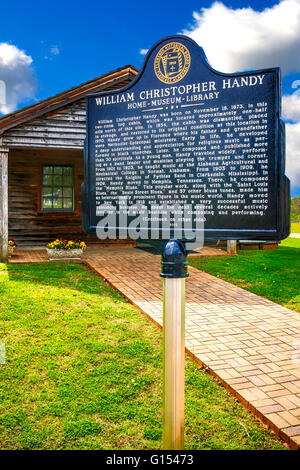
point(63, 129)
point(27, 223)
point(56, 137)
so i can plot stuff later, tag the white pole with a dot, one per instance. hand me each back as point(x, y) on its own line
point(174, 272)
point(232, 247)
point(174, 350)
point(3, 204)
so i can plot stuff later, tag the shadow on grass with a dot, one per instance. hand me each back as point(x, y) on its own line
point(64, 275)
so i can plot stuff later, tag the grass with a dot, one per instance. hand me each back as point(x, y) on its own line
point(83, 371)
point(295, 227)
point(274, 274)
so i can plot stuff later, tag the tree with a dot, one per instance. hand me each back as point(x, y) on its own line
point(295, 209)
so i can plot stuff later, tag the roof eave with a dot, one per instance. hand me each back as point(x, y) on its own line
point(65, 98)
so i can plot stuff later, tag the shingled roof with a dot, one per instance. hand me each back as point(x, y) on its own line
point(109, 81)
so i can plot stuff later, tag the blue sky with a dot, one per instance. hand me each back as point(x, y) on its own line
point(59, 44)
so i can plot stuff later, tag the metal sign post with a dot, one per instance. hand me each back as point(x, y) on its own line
point(174, 272)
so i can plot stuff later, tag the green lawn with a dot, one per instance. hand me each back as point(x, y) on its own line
point(295, 227)
point(274, 274)
point(83, 371)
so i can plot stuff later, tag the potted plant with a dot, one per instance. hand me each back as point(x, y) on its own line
point(12, 244)
point(65, 249)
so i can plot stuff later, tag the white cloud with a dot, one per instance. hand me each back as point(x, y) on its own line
point(291, 112)
point(17, 75)
point(143, 51)
point(244, 38)
point(291, 107)
point(241, 39)
point(54, 50)
point(293, 153)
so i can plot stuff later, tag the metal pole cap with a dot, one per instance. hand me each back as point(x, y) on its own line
point(173, 261)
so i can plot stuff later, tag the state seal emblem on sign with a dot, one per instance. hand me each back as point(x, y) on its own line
point(172, 62)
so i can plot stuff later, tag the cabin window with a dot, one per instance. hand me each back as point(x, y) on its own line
point(58, 188)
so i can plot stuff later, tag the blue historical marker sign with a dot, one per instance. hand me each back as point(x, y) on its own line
point(187, 147)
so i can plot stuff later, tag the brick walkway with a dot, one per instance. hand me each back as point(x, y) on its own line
point(29, 256)
point(251, 344)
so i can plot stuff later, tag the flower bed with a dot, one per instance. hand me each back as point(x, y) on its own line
point(12, 244)
point(65, 249)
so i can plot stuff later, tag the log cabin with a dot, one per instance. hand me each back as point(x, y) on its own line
point(42, 165)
